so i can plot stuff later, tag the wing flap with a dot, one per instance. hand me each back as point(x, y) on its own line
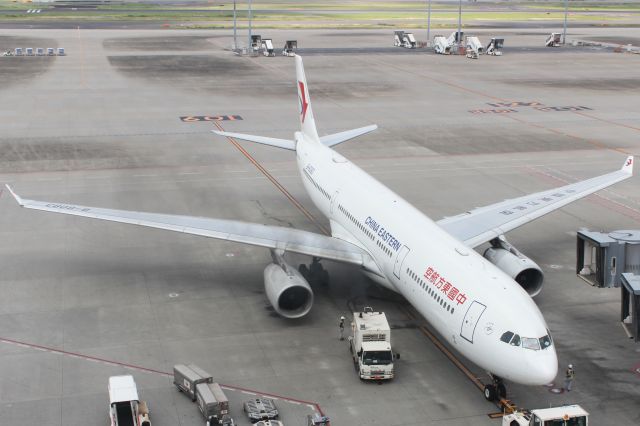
point(274, 237)
point(480, 225)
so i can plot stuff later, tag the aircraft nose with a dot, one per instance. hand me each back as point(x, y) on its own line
point(544, 366)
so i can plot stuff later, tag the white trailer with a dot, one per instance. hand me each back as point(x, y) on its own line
point(406, 40)
point(267, 47)
point(474, 46)
point(125, 408)
point(567, 415)
point(410, 41)
point(370, 345)
point(553, 40)
point(441, 45)
point(494, 48)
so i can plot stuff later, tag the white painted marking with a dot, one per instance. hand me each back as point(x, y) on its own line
point(146, 175)
point(248, 393)
point(229, 254)
point(172, 295)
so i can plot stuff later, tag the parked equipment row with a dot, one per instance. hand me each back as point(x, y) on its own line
point(265, 46)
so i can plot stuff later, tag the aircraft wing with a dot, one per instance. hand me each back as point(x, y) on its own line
point(483, 224)
point(272, 237)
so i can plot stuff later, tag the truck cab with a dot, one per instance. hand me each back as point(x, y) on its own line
point(370, 345)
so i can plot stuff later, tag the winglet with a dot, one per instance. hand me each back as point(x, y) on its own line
point(16, 196)
point(628, 165)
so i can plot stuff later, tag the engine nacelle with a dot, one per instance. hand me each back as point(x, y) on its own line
point(518, 266)
point(288, 292)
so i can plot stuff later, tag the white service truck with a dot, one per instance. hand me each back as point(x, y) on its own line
point(125, 408)
point(567, 415)
point(370, 345)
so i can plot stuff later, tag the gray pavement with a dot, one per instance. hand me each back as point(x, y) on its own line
point(101, 127)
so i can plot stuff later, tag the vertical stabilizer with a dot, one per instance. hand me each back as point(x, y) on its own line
point(307, 123)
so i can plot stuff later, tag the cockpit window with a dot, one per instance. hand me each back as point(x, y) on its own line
point(515, 341)
point(545, 342)
point(527, 342)
point(506, 337)
point(531, 343)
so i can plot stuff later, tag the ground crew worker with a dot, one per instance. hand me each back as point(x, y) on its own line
point(568, 378)
point(341, 327)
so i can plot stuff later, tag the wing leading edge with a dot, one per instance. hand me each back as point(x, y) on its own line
point(483, 224)
point(272, 237)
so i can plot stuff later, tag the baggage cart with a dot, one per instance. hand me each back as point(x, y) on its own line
point(186, 380)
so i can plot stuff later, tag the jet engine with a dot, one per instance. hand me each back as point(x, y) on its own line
point(515, 264)
point(288, 292)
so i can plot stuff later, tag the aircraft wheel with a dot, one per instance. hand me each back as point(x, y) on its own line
point(501, 390)
point(316, 268)
point(490, 392)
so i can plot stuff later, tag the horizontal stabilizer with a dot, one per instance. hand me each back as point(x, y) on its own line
point(336, 138)
point(278, 143)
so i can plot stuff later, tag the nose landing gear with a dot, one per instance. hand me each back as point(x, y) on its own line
point(496, 390)
point(314, 273)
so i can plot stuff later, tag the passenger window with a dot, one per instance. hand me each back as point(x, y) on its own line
point(506, 337)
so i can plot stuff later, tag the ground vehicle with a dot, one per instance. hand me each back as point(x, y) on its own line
point(370, 345)
point(567, 415)
point(260, 409)
point(125, 408)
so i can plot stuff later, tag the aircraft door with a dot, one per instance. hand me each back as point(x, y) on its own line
point(334, 202)
point(471, 319)
point(402, 254)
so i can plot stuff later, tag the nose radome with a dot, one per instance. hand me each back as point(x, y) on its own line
point(545, 366)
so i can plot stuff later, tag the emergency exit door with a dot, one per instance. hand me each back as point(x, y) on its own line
point(471, 319)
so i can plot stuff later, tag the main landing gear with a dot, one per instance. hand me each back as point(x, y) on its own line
point(314, 273)
point(496, 390)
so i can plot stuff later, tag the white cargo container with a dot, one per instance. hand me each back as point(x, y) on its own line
point(370, 345)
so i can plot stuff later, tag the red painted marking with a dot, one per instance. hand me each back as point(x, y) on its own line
point(79, 355)
point(303, 101)
point(149, 370)
point(629, 161)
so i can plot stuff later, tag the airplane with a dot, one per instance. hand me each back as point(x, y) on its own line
point(480, 304)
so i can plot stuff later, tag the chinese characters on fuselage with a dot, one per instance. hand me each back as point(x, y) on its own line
point(444, 286)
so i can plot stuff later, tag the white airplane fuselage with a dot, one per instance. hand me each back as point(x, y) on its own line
point(468, 300)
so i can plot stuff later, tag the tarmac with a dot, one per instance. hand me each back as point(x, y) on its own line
point(83, 300)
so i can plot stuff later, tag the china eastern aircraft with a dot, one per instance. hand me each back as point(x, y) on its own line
point(480, 304)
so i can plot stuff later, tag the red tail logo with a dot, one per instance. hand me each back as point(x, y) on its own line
point(629, 161)
point(303, 100)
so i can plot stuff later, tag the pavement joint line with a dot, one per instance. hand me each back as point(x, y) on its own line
point(315, 406)
point(605, 120)
point(482, 94)
point(277, 184)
